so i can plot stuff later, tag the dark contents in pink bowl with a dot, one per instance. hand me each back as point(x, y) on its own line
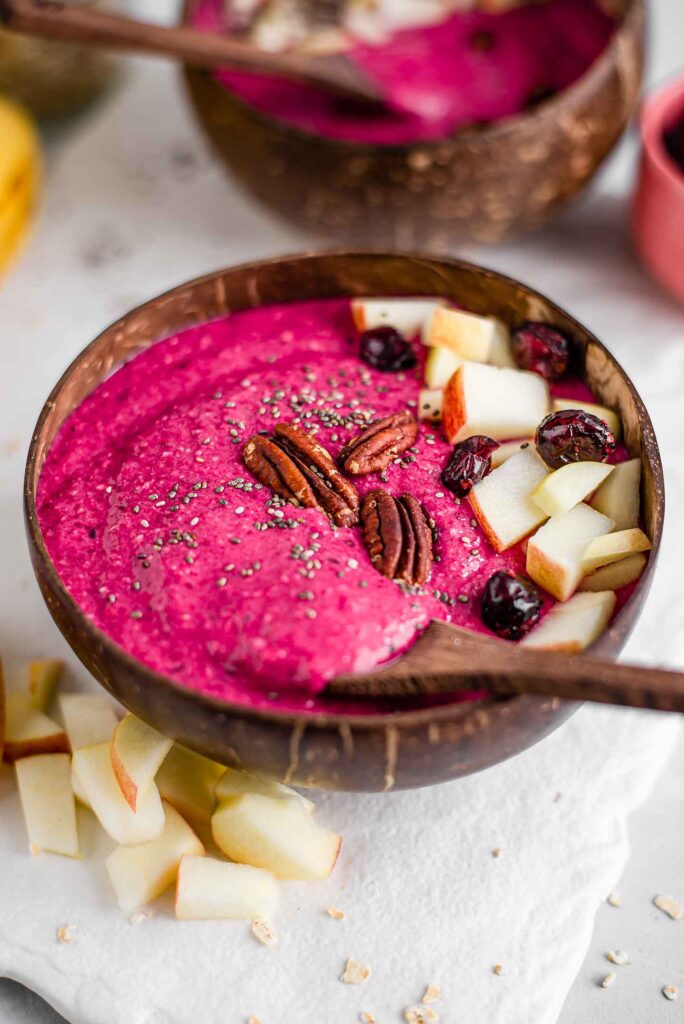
point(473, 68)
point(674, 143)
point(169, 545)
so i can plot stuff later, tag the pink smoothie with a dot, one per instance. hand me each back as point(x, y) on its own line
point(171, 547)
point(475, 67)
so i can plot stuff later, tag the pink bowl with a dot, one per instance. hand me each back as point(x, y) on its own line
point(658, 211)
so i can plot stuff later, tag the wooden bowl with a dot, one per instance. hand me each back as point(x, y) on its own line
point(483, 183)
point(338, 751)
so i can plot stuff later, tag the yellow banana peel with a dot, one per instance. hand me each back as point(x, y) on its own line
point(20, 177)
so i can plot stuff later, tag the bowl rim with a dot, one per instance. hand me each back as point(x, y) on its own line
point(666, 102)
point(308, 719)
point(493, 130)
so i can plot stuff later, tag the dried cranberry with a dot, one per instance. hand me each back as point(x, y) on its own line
point(541, 348)
point(384, 348)
point(470, 461)
point(510, 605)
point(573, 435)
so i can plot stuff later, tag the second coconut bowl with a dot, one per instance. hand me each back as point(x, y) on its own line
point(482, 183)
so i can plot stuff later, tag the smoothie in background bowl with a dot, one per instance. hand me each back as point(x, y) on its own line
point(212, 525)
point(493, 119)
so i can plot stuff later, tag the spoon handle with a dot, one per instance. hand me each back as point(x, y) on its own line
point(88, 26)
point(447, 661)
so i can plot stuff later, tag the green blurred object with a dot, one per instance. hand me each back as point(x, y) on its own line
point(53, 79)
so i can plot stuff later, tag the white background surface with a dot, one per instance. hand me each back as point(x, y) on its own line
point(131, 218)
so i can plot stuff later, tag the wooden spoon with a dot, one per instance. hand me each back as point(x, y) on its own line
point(446, 659)
point(52, 19)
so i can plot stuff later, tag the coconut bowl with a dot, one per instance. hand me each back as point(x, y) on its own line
point(482, 183)
point(397, 749)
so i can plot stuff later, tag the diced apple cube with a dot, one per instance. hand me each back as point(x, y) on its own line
point(502, 502)
point(42, 681)
point(468, 335)
point(604, 550)
point(494, 401)
point(209, 889)
point(616, 574)
point(406, 315)
point(236, 783)
point(97, 781)
point(619, 496)
point(554, 554)
point(567, 486)
point(141, 873)
point(440, 365)
point(28, 731)
point(573, 626)
point(188, 780)
point(430, 404)
point(137, 752)
point(47, 801)
point(89, 718)
point(279, 835)
point(603, 412)
point(504, 452)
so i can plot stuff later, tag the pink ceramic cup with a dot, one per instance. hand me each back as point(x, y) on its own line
point(658, 211)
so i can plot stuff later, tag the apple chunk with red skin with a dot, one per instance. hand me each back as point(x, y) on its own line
point(141, 873)
point(47, 801)
point(187, 781)
point(278, 835)
point(573, 626)
point(235, 782)
point(554, 554)
point(212, 890)
point(28, 731)
point(137, 752)
point(498, 402)
point(406, 315)
point(92, 767)
point(502, 502)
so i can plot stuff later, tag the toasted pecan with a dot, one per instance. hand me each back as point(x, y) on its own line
point(374, 448)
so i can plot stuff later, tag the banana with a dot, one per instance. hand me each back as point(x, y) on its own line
point(20, 177)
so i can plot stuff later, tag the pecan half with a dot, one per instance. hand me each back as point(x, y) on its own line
point(373, 449)
point(419, 566)
point(273, 468)
point(397, 536)
point(299, 469)
point(382, 532)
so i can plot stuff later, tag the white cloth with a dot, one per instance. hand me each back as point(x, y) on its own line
point(132, 208)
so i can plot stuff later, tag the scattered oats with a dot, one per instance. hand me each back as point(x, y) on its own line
point(496, 853)
point(140, 916)
point(498, 969)
point(263, 932)
point(670, 992)
point(65, 934)
point(433, 994)
point(355, 973)
point(608, 980)
point(337, 914)
point(614, 899)
point(420, 1015)
point(669, 906)
point(366, 1018)
point(617, 956)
